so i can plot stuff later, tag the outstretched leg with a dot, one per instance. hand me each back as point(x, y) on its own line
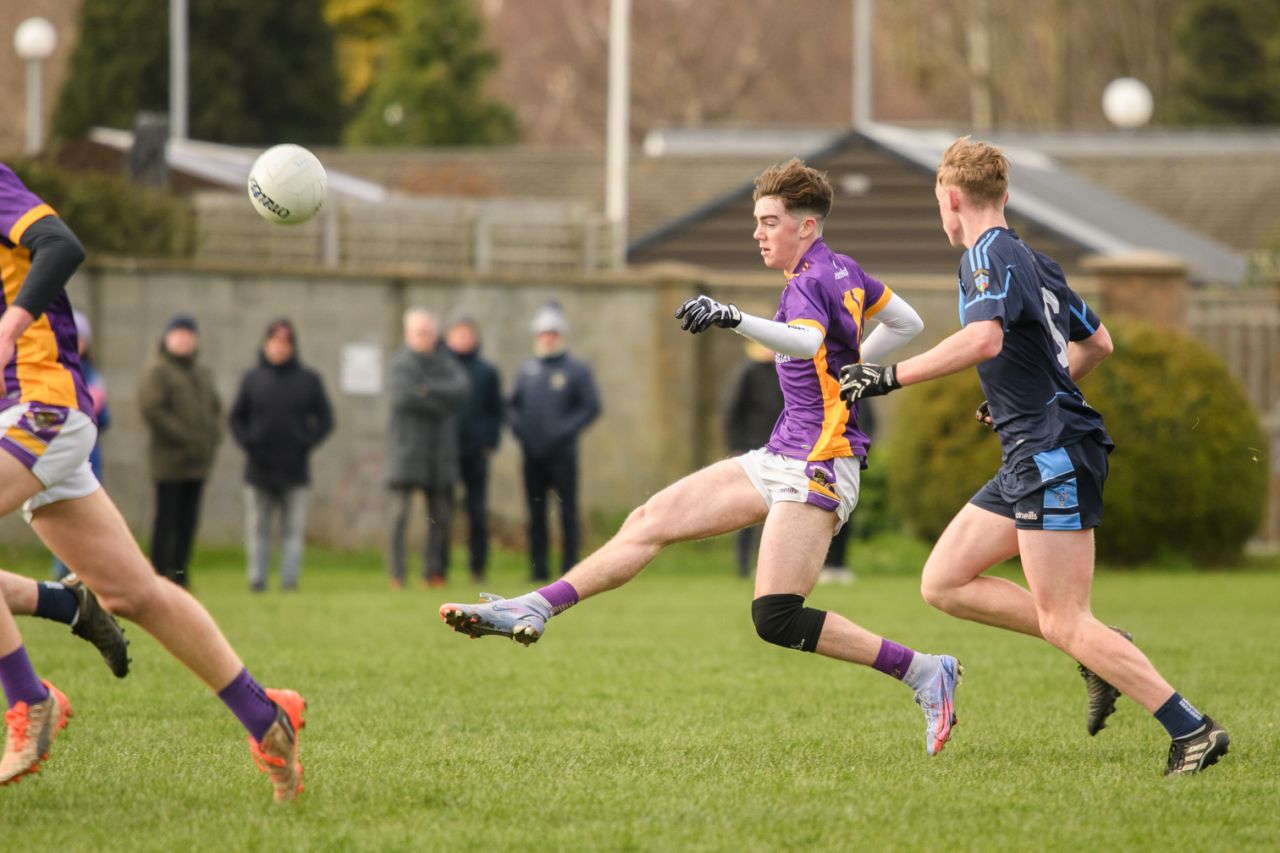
point(709, 502)
point(92, 537)
point(1059, 569)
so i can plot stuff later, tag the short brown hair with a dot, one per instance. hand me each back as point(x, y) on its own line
point(979, 169)
point(799, 186)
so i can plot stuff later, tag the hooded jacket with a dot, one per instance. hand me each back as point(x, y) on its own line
point(183, 413)
point(281, 413)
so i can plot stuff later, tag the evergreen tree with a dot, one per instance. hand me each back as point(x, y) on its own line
point(259, 73)
point(1231, 69)
point(431, 89)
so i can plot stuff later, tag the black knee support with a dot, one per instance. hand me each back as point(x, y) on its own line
point(784, 621)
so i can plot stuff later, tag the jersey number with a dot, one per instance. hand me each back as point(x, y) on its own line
point(1051, 308)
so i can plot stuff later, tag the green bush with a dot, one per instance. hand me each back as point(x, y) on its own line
point(1188, 476)
point(110, 214)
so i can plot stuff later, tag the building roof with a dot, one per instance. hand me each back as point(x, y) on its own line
point(885, 214)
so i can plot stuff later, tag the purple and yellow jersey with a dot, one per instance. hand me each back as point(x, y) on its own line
point(46, 365)
point(831, 293)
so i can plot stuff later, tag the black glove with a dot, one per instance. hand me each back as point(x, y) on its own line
point(867, 380)
point(984, 414)
point(702, 312)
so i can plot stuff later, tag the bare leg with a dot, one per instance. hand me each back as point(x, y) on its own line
point(17, 485)
point(718, 499)
point(92, 538)
point(1059, 567)
point(792, 549)
point(19, 593)
point(952, 581)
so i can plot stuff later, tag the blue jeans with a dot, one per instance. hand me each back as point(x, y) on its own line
point(261, 506)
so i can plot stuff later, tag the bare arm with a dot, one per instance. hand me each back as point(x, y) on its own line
point(1084, 356)
point(977, 342)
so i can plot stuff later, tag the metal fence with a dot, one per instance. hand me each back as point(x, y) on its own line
point(481, 235)
point(1243, 327)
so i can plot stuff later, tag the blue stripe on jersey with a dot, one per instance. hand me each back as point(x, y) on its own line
point(1053, 463)
point(1080, 315)
point(978, 258)
point(1062, 522)
point(1058, 394)
point(1008, 274)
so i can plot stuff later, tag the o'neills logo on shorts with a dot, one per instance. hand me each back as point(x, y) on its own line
point(1026, 516)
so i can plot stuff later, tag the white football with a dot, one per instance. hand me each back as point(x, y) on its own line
point(287, 184)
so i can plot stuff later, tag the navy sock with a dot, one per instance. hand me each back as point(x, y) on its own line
point(54, 601)
point(1179, 717)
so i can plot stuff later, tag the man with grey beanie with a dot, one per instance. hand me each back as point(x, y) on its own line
point(554, 400)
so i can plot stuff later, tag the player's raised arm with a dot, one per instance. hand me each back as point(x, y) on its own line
point(703, 312)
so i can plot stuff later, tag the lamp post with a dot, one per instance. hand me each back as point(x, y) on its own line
point(34, 40)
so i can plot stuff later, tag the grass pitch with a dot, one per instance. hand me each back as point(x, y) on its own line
point(652, 718)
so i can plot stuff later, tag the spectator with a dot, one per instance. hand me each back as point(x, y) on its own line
point(98, 396)
point(427, 388)
point(553, 402)
point(755, 402)
point(280, 415)
point(479, 428)
point(184, 422)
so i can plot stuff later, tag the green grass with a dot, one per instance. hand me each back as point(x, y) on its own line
point(653, 719)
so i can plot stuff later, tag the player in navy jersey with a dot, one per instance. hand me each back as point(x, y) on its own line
point(1031, 338)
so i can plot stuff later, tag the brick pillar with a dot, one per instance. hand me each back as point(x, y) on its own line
point(1141, 285)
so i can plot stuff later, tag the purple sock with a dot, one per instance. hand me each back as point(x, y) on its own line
point(560, 595)
point(893, 659)
point(247, 700)
point(21, 684)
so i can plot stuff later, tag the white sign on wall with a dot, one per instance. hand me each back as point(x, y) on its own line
point(361, 372)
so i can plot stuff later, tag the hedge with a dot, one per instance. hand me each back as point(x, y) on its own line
point(1189, 474)
point(110, 214)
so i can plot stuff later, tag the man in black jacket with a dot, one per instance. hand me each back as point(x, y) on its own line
point(479, 429)
point(554, 400)
point(281, 413)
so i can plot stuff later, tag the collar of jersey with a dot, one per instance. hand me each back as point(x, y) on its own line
point(806, 261)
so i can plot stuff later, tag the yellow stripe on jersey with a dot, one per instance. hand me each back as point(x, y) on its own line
point(40, 211)
point(20, 436)
point(853, 304)
point(41, 377)
point(812, 324)
point(832, 441)
point(875, 307)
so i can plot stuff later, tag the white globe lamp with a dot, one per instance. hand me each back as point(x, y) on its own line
point(34, 40)
point(1127, 103)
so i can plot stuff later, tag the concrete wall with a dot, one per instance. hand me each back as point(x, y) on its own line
point(663, 389)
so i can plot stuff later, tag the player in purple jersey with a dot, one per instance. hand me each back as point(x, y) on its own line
point(802, 485)
point(1032, 338)
point(46, 435)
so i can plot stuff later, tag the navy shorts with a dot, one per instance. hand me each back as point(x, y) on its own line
point(1059, 489)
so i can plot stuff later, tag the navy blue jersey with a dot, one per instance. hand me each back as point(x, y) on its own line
point(1035, 405)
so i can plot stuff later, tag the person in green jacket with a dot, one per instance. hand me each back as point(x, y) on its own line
point(184, 424)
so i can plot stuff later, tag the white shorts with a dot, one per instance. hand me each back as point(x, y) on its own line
point(831, 484)
point(54, 442)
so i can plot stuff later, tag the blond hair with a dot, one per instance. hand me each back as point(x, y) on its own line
point(979, 169)
point(800, 188)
